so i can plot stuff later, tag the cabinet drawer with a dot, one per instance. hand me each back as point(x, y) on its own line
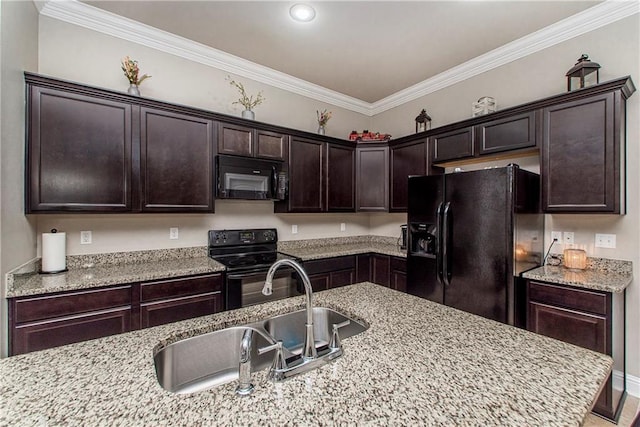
point(68, 330)
point(576, 299)
point(46, 307)
point(398, 264)
point(181, 287)
point(330, 264)
point(176, 309)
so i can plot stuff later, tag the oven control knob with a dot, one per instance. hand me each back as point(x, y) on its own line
point(269, 235)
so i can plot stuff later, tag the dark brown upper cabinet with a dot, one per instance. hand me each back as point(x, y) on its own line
point(307, 181)
point(321, 177)
point(583, 154)
point(341, 178)
point(176, 162)
point(372, 178)
point(79, 153)
point(246, 141)
point(407, 159)
point(506, 134)
point(453, 145)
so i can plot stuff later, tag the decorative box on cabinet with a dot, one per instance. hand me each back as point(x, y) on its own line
point(45, 321)
point(372, 178)
point(587, 318)
point(583, 151)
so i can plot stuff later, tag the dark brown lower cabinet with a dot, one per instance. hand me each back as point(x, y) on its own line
point(385, 270)
point(380, 269)
point(46, 321)
point(330, 273)
point(584, 318)
point(398, 279)
point(173, 300)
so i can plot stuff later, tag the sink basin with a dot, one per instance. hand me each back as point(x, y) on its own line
point(206, 361)
point(289, 328)
point(209, 360)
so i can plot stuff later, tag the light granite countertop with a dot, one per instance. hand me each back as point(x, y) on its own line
point(308, 250)
point(602, 275)
point(418, 363)
point(91, 271)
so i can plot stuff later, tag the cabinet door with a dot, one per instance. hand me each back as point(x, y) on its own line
point(510, 133)
point(363, 268)
point(406, 160)
point(177, 162)
point(372, 179)
point(271, 145)
point(79, 153)
point(398, 279)
point(340, 178)
point(581, 157)
point(380, 269)
point(341, 278)
point(235, 139)
point(306, 172)
point(453, 145)
point(320, 282)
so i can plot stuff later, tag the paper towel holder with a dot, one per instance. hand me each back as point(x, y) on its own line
point(53, 230)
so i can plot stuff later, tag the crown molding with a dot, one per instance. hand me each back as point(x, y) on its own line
point(84, 15)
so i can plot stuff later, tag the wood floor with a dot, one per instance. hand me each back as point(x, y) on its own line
point(628, 413)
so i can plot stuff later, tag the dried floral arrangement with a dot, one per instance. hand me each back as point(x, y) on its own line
point(323, 117)
point(248, 102)
point(131, 71)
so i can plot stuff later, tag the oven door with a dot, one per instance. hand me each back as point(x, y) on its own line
point(244, 289)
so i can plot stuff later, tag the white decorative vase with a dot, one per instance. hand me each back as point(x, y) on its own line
point(248, 114)
point(133, 90)
point(320, 130)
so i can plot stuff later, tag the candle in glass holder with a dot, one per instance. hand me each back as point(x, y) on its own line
point(575, 258)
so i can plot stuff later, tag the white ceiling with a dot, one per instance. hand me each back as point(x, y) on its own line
point(367, 50)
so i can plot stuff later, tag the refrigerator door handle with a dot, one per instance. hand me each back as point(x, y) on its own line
point(446, 234)
point(439, 244)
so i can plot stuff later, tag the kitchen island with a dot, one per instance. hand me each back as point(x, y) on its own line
point(418, 363)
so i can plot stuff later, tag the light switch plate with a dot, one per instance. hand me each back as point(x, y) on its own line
point(343, 226)
point(294, 229)
point(606, 241)
point(568, 238)
point(173, 233)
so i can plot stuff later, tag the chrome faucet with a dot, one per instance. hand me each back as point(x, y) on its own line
point(309, 351)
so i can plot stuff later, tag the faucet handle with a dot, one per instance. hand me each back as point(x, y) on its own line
point(279, 363)
point(335, 337)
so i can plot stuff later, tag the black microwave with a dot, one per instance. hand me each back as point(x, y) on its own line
point(250, 179)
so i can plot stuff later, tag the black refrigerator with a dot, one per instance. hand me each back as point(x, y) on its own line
point(471, 235)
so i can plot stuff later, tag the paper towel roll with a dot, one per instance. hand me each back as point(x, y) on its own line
point(54, 249)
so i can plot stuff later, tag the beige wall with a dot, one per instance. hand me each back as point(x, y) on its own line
point(18, 37)
point(616, 48)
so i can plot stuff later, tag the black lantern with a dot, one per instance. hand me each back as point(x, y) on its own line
point(423, 121)
point(584, 73)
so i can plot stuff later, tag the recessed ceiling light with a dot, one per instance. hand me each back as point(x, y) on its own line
point(302, 12)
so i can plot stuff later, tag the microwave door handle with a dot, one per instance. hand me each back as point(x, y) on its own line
point(438, 244)
point(274, 182)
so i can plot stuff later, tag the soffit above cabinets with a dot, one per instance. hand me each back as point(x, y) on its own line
point(364, 56)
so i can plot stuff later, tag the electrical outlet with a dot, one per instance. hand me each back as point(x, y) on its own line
point(173, 233)
point(85, 237)
point(568, 238)
point(606, 241)
point(343, 226)
point(556, 235)
point(294, 229)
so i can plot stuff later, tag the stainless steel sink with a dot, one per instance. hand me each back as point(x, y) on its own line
point(209, 360)
point(205, 361)
point(289, 328)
